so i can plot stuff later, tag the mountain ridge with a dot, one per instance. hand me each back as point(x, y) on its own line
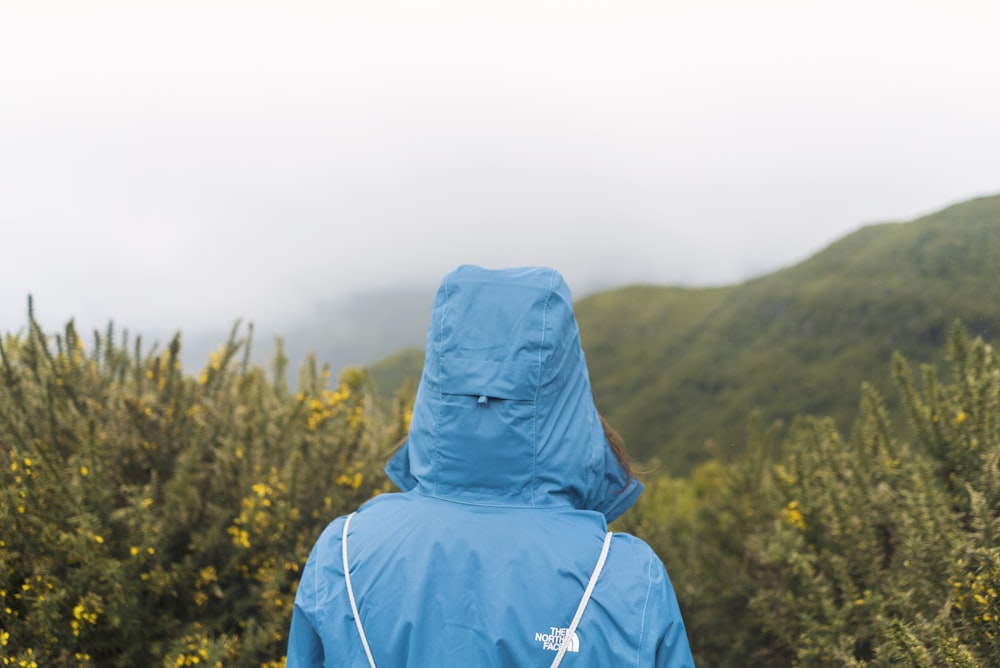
point(791, 341)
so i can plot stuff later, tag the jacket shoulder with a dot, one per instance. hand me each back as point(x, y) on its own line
point(640, 580)
point(627, 549)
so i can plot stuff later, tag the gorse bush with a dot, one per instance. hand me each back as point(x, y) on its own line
point(148, 517)
point(859, 551)
point(153, 517)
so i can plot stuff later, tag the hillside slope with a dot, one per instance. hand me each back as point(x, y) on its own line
point(678, 369)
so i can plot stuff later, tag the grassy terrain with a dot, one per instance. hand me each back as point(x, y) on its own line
point(798, 341)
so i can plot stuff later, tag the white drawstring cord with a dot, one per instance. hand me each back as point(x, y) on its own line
point(350, 592)
point(571, 631)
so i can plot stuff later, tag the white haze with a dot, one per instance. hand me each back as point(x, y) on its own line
point(177, 165)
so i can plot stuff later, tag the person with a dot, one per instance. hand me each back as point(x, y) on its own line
point(497, 551)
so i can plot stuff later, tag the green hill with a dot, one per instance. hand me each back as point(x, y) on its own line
point(678, 370)
point(391, 373)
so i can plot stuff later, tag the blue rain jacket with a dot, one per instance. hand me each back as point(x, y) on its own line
point(508, 485)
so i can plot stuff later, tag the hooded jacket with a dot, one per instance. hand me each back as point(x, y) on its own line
point(508, 487)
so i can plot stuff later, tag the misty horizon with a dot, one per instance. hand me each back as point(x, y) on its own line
point(173, 167)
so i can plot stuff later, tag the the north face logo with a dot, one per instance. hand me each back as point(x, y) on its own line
point(553, 640)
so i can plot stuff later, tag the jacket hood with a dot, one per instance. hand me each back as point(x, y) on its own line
point(504, 413)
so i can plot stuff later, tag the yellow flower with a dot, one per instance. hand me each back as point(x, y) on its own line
point(354, 482)
point(208, 574)
point(240, 537)
point(794, 516)
point(84, 471)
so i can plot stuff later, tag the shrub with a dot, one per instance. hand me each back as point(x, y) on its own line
point(859, 551)
point(150, 517)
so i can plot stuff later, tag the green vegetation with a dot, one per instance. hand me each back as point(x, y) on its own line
point(148, 517)
point(398, 372)
point(153, 517)
point(674, 369)
point(813, 549)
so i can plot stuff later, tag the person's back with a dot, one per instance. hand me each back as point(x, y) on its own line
point(488, 558)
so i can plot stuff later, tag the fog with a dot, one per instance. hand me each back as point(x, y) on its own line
point(180, 165)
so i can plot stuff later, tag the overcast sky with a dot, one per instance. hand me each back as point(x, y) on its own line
point(180, 164)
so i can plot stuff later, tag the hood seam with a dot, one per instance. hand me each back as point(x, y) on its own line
point(538, 383)
point(437, 355)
